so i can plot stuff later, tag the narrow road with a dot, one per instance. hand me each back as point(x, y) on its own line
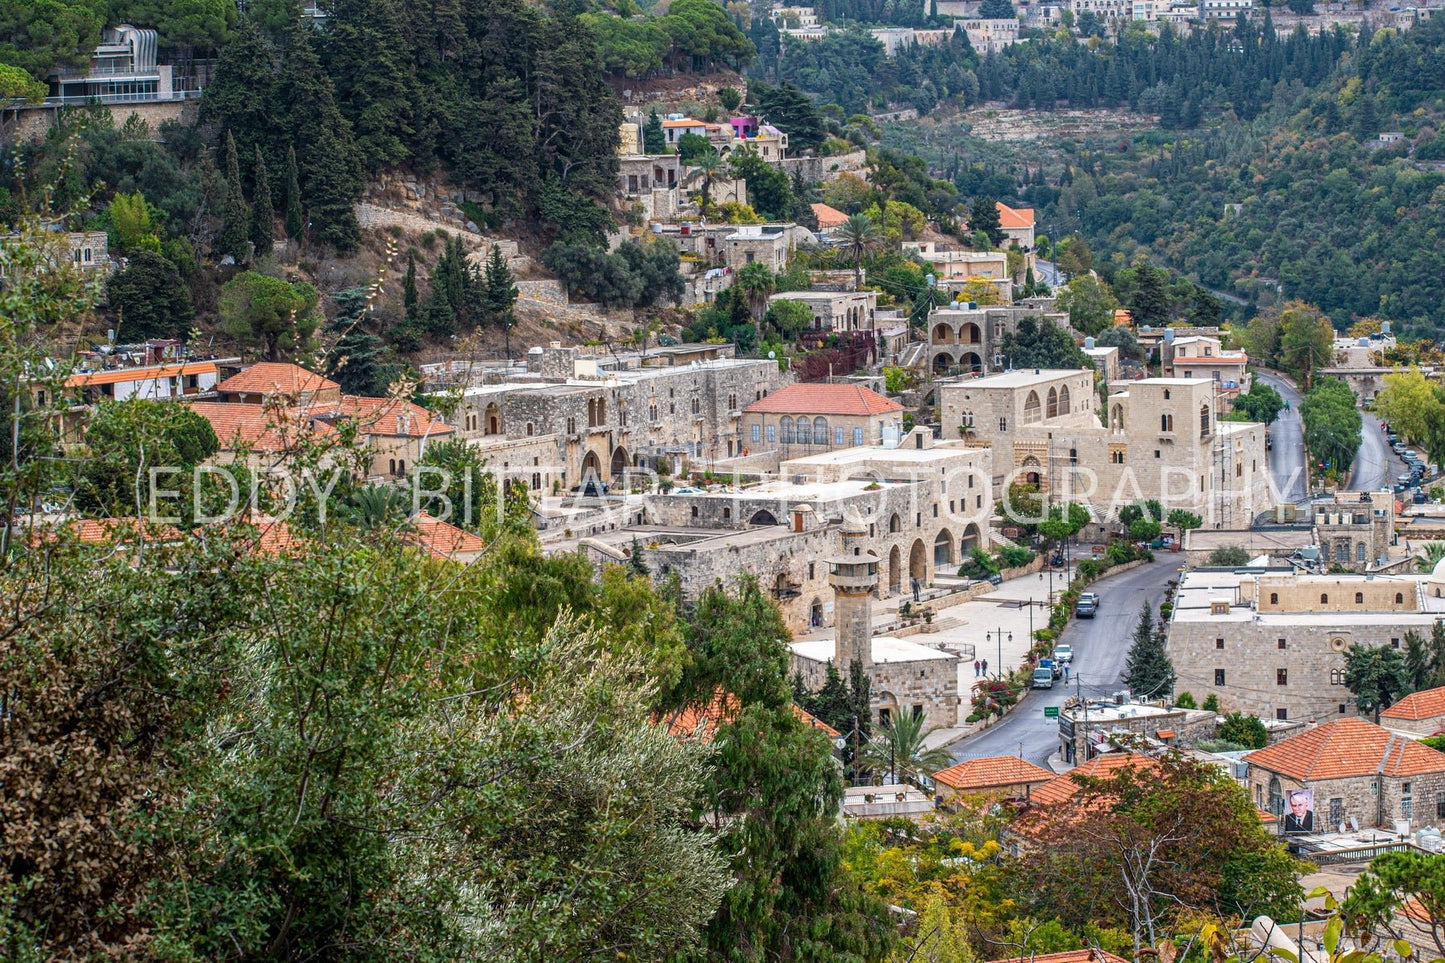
point(1287, 454)
point(1375, 464)
point(1100, 647)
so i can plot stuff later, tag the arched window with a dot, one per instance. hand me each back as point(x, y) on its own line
point(1359, 598)
point(1064, 400)
point(820, 431)
point(1324, 599)
point(1273, 598)
point(787, 428)
point(1203, 420)
point(1276, 796)
point(893, 523)
point(805, 431)
point(1116, 420)
point(1166, 422)
point(1166, 394)
point(1031, 407)
point(1052, 409)
point(1399, 598)
point(1360, 552)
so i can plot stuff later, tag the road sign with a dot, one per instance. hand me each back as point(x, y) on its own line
point(1051, 712)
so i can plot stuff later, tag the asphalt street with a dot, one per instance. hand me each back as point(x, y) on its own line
point(1100, 646)
point(1375, 464)
point(1287, 456)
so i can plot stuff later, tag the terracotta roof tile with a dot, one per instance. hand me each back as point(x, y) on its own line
point(819, 399)
point(1065, 787)
point(1014, 217)
point(704, 721)
point(813, 721)
point(255, 426)
point(991, 773)
point(1347, 747)
point(272, 377)
point(440, 539)
point(1068, 956)
point(1416, 706)
point(149, 373)
point(828, 217)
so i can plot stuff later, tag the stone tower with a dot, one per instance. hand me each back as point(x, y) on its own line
point(853, 578)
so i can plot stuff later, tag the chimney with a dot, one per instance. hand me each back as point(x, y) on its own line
point(853, 578)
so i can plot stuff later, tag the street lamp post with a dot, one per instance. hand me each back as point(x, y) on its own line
point(998, 637)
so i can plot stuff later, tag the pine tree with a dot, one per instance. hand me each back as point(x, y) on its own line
point(636, 563)
point(235, 216)
point(1151, 300)
point(499, 295)
point(654, 141)
point(263, 215)
point(408, 289)
point(295, 221)
point(1149, 671)
point(375, 77)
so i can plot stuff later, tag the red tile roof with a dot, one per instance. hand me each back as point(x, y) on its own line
point(1065, 787)
point(1014, 217)
point(704, 721)
point(1069, 956)
point(817, 399)
point(992, 772)
point(255, 426)
point(272, 377)
point(813, 721)
point(828, 217)
point(1347, 747)
point(440, 539)
point(1427, 704)
point(150, 373)
point(383, 416)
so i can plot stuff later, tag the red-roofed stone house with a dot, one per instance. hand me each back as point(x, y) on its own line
point(1357, 771)
point(1422, 713)
point(1017, 224)
point(989, 778)
point(803, 418)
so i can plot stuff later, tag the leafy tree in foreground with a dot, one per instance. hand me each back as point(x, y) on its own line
point(268, 313)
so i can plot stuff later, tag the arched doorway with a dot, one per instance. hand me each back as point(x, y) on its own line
point(918, 561)
point(942, 334)
point(969, 542)
point(895, 571)
point(970, 334)
point(887, 707)
point(619, 462)
point(591, 466)
point(1031, 468)
point(894, 524)
point(972, 362)
point(494, 419)
point(942, 362)
point(942, 549)
point(763, 517)
point(815, 614)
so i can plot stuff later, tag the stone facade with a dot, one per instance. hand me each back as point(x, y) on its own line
point(1273, 643)
point(969, 340)
point(836, 310)
point(1355, 531)
point(603, 421)
point(1044, 428)
point(803, 419)
point(1098, 724)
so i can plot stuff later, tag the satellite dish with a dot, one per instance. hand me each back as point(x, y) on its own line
point(840, 743)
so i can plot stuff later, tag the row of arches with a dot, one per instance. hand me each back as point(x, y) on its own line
point(803, 430)
point(970, 361)
point(1058, 402)
point(969, 333)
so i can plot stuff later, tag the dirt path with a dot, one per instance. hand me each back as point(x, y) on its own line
point(370, 215)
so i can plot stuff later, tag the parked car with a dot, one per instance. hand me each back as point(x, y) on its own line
point(1419, 498)
point(1063, 653)
point(1090, 597)
point(1405, 480)
point(1043, 678)
point(687, 490)
point(1054, 666)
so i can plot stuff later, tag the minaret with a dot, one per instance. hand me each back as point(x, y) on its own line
point(853, 578)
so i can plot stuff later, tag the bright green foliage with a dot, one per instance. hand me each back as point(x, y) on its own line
point(637, 275)
point(124, 441)
point(1090, 304)
point(1306, 341)
point(1395, 880)
point(1046, 345)
point(789, 318)
point(1228, 555)
point(195, 23)
point(1376, 676)
point(150, 299)
point(756, 280)
point(691, 146)
point(1185, 700)
point(897, 748)
point(769, 191)
point(472, 496)
point(1408, 403)
point(16, 84)
point(859, 235)
point(1210, 703)
point(1149, 672)
point(235, 215)
point(1244, 730)
point(263, 215)
point(132, 223)
point(1332, 424)
point(1183, 521)
point(1260, 403)
point(271, 315)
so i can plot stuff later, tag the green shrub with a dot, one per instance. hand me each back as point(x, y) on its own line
point(1211, 704)
point(1186, 701)
point(1013, 556)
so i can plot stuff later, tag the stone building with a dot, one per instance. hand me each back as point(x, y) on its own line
point(803, 418)
point(572, 415)
point(1359, 774)
point(904, 676)
point(916, 509)
point(953, 268)
point(771, 244)
point(1200, 356)
point(1096, 725)
point(836, 310)
point(970, 340)
point(1272, 643)
point(1355, 530)
point(989, 779)
point(1045, 428)
point(1420, 713)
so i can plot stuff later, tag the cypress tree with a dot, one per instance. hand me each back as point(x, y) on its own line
point(1149, 671)
point(499, 294)
point(654, 141)
point(235, 217)
point(295, 223)
point(263, 215)
point(408, 289)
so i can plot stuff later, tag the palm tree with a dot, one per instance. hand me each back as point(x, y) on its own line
point(706, 167)
point(898, 747)
point(377, 505)
point(756, 280)
point(859, 234)
point(1430, 556)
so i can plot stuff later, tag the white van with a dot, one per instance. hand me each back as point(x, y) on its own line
point(1043, 678)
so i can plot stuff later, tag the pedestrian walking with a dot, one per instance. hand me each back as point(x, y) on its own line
point(1066, 672)
point(975, 668)
point(915, 583)
point(985, 666)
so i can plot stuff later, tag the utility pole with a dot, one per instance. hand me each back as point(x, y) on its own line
point(855, 748)
point(1079, 693)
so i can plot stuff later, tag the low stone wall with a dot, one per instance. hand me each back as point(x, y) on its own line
point(32, 123)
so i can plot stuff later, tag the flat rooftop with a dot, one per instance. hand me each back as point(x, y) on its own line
point(886, 649)
point(863, 454)
point(1016, 379)
point(1198, 589)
